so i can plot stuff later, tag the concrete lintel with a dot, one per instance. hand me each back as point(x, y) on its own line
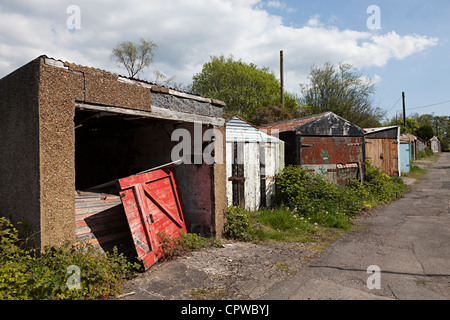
point(189, 96)
point(157, 112)
point(164, 113)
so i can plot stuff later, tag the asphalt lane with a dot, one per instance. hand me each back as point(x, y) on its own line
point(402, 252)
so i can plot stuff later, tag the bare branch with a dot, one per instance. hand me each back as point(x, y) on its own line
point(134, 57)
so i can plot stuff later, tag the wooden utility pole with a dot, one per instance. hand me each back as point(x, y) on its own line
point(404, 110)
point(437, 128)
point(282, 78)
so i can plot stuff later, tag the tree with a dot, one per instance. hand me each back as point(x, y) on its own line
point(343, 91)
point(276, 113)
point(243, 87)
point(412, 125)
point(163, 80)
point(425, 132)
point(134, 57)
point(271, 114)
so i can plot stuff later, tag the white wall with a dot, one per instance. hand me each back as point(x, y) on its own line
point(252, 172)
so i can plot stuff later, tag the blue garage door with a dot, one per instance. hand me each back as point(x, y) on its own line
point(404, 157)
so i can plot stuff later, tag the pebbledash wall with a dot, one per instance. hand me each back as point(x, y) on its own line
point(38, 106)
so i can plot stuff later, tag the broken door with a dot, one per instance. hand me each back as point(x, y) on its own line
point(238, 177)
point(152, 205)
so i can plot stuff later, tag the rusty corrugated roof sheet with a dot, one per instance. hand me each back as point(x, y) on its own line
point(290, 125)
point(323, 124)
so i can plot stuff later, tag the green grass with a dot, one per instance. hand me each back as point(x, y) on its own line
point(417, 170)
point(277, 224)
point(281, 224)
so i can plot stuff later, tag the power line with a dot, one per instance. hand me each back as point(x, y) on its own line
point(430, 105)
point(394, 105)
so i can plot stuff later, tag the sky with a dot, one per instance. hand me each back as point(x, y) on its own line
point(402, 45)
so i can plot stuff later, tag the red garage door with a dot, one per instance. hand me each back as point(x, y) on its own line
point(152, 204)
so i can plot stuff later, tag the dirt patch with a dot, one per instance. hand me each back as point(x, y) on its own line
point(409, 180)
point(238, 270)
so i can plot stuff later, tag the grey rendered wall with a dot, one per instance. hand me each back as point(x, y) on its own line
point(19, 147)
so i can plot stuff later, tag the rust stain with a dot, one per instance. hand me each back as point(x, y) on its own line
point(337, 158)
point(290, 124)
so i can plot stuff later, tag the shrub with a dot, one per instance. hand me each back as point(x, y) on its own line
point(238, 224)
point(383, 187)
point(314, 197)
point(25, 275)
point(170, 248)
point(296, 185)
point(13, 263)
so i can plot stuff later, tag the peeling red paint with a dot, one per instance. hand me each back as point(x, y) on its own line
point(152, 205)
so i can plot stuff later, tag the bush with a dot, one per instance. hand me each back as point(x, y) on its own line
point(238, 224)
point(26, 275)
point(170, 248)
point(314, 197)
point(296, 185)
point(382, 187)
point(426, 153)
point(13, 263)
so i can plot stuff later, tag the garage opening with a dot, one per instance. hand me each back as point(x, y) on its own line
point(110, 146)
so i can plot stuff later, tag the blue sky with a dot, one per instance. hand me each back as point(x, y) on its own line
point(410, 53)
point(424, 77)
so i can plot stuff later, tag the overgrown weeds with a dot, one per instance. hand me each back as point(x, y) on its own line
point(172, 248)
point(415, 172)
point(306, 203)
point(26, 274)
point(426, 153)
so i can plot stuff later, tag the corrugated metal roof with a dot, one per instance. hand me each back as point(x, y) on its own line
point(290, 125)
point(239, 130)
point(324, 124)
point(372, 130)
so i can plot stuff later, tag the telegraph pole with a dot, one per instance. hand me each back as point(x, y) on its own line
point(404, 109)
point(282, 78)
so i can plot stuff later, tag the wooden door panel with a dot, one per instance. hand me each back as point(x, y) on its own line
point(152, 205)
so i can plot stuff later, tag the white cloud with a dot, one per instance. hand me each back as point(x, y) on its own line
point(314, 21)
point(374, 80)
point(279, 5)
point(187, 33)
